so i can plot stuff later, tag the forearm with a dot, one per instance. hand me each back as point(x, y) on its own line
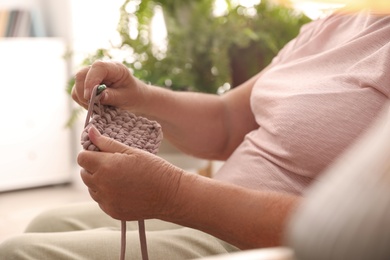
point(204, 125)
point(245, 218)
point(193, 122)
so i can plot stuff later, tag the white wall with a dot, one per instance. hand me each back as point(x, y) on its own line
point(94, 25)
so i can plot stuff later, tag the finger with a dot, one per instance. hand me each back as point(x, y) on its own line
point(106, 144)
point(87, 178)
point(79, 100)
point(94, 195)
point(103, 72)
point(85, 173)
point(78, 88)
point(91, 161)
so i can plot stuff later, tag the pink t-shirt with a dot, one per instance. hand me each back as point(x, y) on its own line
point(320, 93)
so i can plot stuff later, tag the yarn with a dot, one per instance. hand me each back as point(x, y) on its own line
point(123, 126)
point(129, 129)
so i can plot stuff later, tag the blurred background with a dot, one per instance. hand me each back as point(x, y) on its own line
point(180, 45)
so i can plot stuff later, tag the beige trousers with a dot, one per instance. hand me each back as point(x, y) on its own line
point(83, 231)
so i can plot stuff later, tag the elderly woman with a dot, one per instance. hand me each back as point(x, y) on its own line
point(277, 132)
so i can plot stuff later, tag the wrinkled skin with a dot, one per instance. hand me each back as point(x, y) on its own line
point(128, 183)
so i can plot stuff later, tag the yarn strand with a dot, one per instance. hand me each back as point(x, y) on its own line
point(123, 240)
point(142, 239)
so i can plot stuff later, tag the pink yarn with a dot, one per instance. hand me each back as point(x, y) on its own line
point(125, 127)
point(121, 125)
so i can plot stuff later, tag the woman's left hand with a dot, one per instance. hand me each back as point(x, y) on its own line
point(128, 183)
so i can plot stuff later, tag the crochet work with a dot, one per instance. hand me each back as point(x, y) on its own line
point(123, 126)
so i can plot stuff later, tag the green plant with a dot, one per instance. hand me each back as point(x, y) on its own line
point(203, 51)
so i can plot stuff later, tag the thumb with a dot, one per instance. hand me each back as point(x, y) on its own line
point(106, 144)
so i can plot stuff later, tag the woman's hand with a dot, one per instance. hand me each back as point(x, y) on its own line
point(128, 183)
point(124, 90)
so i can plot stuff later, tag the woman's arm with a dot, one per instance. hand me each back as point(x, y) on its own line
point(245, 218)
point(204, 125)
point(131, 184)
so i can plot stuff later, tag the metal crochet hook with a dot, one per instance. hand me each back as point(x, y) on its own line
point(100, 89)
point(97, 90)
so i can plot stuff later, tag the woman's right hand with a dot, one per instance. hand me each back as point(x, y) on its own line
point(123, 89)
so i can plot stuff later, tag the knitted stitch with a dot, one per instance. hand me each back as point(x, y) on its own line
point(123, 126)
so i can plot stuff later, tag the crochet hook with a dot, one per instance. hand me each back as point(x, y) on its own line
point(100, 89)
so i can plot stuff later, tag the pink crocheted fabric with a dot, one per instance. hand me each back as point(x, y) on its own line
point(123, 126)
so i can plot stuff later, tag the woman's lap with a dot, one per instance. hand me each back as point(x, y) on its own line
point(83, 231)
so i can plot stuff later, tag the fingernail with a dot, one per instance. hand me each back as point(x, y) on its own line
point(87, 95)
point(103, 97)
point(92, 130)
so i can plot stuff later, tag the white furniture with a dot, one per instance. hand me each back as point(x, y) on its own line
point(35, 147)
